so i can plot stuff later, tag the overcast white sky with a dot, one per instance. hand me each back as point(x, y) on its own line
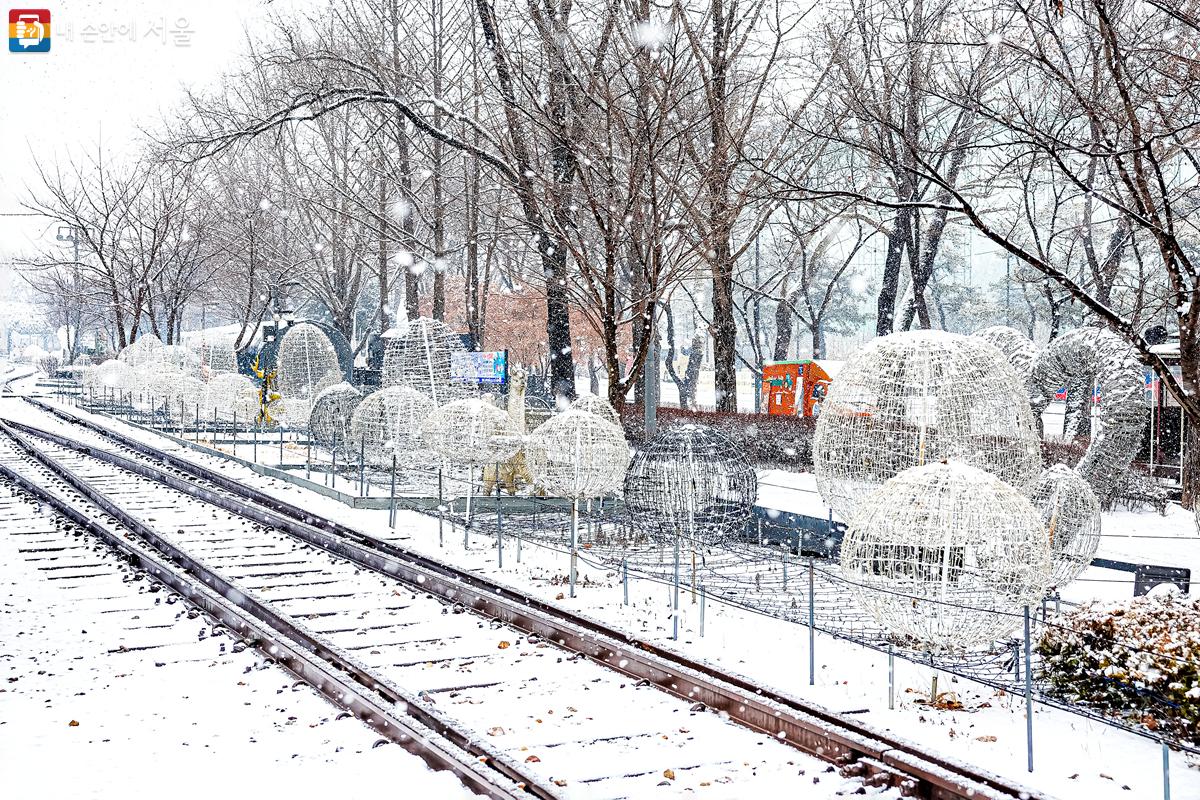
point(102, 84)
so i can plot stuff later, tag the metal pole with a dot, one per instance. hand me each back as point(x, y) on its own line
point(1166, 751)
point(333, 462)
point(308, 460)
point(1028, 692)
point(235, 433)
point(625, 577)
point(499, 524)
point(362, 465)
point(197, 423)
point(891, 678)
point(441, 509)
point(281, 445)
point(467, 518)
point(812, 639)
point(254, 458)
point(392, 502)
point(675, 613)
point(574, 539)
point(703, 597)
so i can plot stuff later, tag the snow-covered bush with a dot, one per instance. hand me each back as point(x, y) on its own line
point(1138, 659)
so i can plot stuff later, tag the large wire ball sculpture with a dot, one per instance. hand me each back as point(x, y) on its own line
point(945, 556)
point(595, 404)
point(472, 432)
point(388, 422)
point(110, 376)
point(577, 454)
point(421, 357)
point(690, 482)
point(1070, 515)
point(329, 420)
point(224, 396)
point(146, 350)
point(216, 356)
point(305, 359)
point(917, 397)
point(1080, 359)
point(1015, 346)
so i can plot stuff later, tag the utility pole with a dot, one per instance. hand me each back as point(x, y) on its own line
point(1007, 288)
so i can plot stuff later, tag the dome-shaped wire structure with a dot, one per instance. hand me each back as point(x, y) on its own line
point(595, 404)
point(690, 482)
point(305, 359)
point(146, 350)
point(1080, 359)
point(1070, 514)
point(221, 395)
point(329, 420)
point(945, 557)
point(216, 356)
point(421, 357)
point(108, 377)
point(917, 397)
point(470, 431)
point(182, 359)
point(388, 422)
point(1016, 347)
point(577, 454)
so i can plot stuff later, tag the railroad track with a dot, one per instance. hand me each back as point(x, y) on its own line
point(860, 751)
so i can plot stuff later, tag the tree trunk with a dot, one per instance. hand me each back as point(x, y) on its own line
point(885, 307)
point(1190, 472)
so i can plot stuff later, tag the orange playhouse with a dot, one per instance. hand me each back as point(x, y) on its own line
point(794, 388)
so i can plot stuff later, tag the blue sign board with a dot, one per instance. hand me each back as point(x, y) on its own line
point(480, 368)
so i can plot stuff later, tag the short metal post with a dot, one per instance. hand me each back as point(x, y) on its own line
point(254, 458)
point(812, 639)
point(235, 433)
point(1028, 691)
point(441, 510)
point(392, 503)
point(197, 423)
point(625, 578)
point(181, 417)
point(362, 465)
point(499, 524)
point(333, 462)
point(1166, 751)
point(575, 540)
point(703, 597)
point(308, 460)
point(281, 445)
point(675, 610)
point(785, 572)
point(891, 678)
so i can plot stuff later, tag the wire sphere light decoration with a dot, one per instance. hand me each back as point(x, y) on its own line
point(917, 397)
point(472, 432)
point(329, 420)
point(1015, 346)
point(146, 350)
point(595, 404)
point(224, 393)
point(577, 454)
point(690, 482)
point(421, 358)
point(388, 422)
point(1089, 357)
point(1070, 515)
point(945, 557)
point(109, 376)
point(216, 356)
point(305, 358)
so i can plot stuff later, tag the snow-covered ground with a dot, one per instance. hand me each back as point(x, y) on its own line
point(1074, 756)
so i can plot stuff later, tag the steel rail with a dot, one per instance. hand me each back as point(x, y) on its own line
point(326, 668)
point(860, 749)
